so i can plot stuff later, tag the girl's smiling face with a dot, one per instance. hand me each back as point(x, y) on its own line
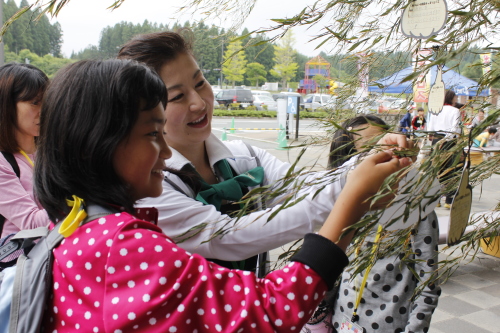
point(139, 158)
point(190, 103)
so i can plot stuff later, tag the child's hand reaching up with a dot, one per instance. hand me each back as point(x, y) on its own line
point(363, 182)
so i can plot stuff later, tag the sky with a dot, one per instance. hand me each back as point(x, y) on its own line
point(83, 20)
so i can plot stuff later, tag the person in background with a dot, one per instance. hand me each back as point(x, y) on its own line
point(478, 119)
point(388, 303)
point(444, 128)
point(482, 139)
point(405, 122)
point(418, 122)
point(21, 90)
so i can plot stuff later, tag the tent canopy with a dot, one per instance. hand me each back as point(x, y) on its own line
point(452, 80)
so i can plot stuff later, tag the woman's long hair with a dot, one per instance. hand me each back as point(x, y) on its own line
point(18, 83)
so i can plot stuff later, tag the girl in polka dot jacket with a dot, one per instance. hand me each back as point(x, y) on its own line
point(102, 141)
point(387, 303)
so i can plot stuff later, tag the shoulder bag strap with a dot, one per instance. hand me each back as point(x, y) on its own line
point(13, 163)
point(262, 265)
point(252, 153)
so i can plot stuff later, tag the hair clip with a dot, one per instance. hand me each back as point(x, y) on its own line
point(349, 128)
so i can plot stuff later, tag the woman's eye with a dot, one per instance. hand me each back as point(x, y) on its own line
point(175, 98)
point(200, 84)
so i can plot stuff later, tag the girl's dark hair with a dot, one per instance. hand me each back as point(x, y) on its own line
point(342, 147)
point(492, 130)
point(449, 96)
point(18, 83)
point(89, 108)
point(155, 49)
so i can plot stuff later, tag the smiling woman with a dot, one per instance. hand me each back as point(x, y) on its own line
point(21, 91)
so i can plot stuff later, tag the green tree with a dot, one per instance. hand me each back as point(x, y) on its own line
point(112, 38)
point(206, 49)
point(48, 63)
point(321, 81)
point(256, 72)
point(259, 49)
point(38, 36)
point(234, 65)
point(285, 67)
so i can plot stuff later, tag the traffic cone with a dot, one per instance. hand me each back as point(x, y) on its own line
point(282, 142)
point(232, 126)
point(281, 134)
point(224, 135)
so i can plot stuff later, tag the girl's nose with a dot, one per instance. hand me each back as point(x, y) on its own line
point(165, 151)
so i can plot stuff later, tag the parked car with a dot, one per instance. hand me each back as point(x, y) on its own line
point(314, 101)
point(227, 96)
point(261, 100)
point(261, 92)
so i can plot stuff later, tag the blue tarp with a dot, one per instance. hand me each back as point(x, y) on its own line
point(460, 84)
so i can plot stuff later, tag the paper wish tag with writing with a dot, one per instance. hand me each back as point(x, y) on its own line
point(460, 209)
point(436, 94)
point(423, 18)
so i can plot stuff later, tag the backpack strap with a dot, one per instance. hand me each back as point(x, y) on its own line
point(13, 163)
point(252, 153)
point(262, 263)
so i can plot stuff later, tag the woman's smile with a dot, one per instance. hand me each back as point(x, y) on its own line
point(200, 122)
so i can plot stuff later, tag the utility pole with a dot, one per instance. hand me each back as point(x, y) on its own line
point(221, 61)
point(2, 55)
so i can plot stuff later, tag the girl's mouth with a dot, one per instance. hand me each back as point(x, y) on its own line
point(157, 172)
point(199, 123)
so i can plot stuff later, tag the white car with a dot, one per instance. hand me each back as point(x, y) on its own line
point(261, 93)
point(261, 100)
point(314, 101)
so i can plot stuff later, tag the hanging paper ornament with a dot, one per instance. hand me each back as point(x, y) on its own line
point(423, 18)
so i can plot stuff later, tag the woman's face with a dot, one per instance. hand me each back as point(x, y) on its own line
point(190, 103)
point(139, 158)
point(28, 118)
point(365, 134)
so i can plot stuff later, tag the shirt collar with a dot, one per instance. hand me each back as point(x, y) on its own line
point(216, 151)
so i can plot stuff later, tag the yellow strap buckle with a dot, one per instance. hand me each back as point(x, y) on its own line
point(74, 218)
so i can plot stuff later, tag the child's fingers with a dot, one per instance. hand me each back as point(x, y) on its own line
point(393, 139)
point(380, 157)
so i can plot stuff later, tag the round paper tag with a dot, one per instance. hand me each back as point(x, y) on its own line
point(423, 18)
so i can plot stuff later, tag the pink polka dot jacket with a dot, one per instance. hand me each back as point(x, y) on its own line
point(121, 274)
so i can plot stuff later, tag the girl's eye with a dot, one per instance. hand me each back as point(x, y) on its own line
point(175, 98)
point(155, 133)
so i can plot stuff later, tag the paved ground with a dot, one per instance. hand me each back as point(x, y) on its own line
point(470, 301)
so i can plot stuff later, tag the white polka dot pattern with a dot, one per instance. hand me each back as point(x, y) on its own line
point(128, 272)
